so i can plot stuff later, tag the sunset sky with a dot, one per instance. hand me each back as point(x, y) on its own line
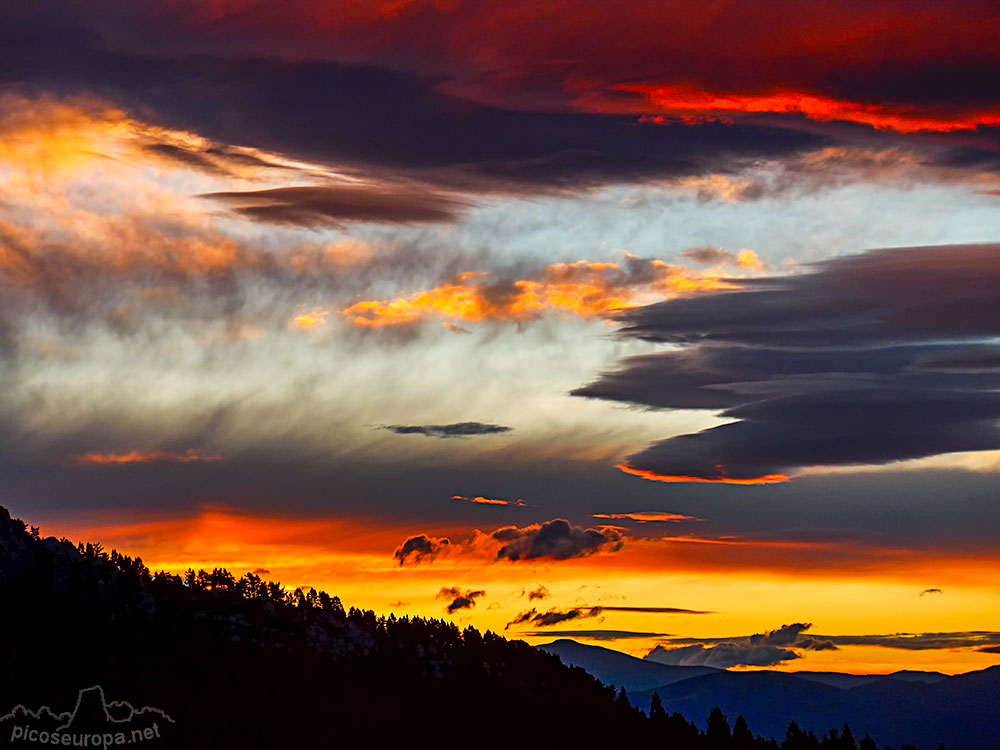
point(644, 324)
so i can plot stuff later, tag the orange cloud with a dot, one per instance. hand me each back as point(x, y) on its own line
point(693, 104)
point(584, 289)
point(654, 477)
point(490, 501)
point(651, 517)
point(309, 321)
point(142, 457)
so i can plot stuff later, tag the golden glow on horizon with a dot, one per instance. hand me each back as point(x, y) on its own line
point(352, 558)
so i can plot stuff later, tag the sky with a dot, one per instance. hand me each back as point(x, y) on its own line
point(667, 327)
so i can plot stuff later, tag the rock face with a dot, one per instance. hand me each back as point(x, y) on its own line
point(91, 710)
point(19, 551)
point(16, 555)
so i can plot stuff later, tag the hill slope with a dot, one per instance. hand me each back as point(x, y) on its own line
point(621, 670)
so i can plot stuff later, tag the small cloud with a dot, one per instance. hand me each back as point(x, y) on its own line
point(490, 501)
point(262, 572)
point(191, 455)
point(931, 591)
point(309, 321)
point(647, 517)
point(538, 594)
point(456, 329)
point(459, 599)
point(594, 635)
point(338, 205)
point(455, 430)
point(418, 547)
point(556, 616)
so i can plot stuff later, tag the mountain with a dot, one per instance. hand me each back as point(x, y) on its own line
point(962, 712)
point(621, 670)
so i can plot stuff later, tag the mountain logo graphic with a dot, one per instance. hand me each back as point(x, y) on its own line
point(94, 723)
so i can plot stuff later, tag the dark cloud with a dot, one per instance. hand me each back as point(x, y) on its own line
point(828, 367)
point(989, 649)
point(657, 610)
point(761, 650)
point(596, 635)
point(709, 255)
point(460, 599)
point(337, 205)
point(783, 637)
point(557, 539)
point(977, 639)
point(553, 616)
point(537, 594)
point(362, 115)
point(554, 540)
point(417, 548)
point(556, 616)
point(456, 430)
point(931, 591)
point(962, 359)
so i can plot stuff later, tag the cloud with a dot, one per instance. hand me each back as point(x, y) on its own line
point(824, 368)
point(647, 517)
point(456, 430)
point(783, 637)
point(556, 616)
point(552, 540)
point(931, 591)
point(761, 650)
point(582, 288)
point(557, 540)
point(338, 205)
point(596, 635)
point(553, 616)
point(490, 501)
point(537, 594)
point(460, 599)
point(714, 256)
point(420, 547)
point(191, 455)
point(976, 639)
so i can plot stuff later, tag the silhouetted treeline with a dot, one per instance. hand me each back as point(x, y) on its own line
point(244, 663)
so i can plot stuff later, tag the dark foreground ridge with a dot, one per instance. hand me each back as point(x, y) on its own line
point(219, 662)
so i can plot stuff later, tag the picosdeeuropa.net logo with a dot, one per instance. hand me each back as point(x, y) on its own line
point(93, 723)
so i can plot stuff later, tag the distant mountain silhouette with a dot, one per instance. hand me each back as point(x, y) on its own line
point(962, 712)
point(620, 670)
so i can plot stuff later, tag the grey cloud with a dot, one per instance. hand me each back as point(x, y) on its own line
point(337, 205)
point(537, 594)
point(556, 616)
point(597, 635)
point(557, 539)
point(762, 649)
point(456, 430)
point(708, 255)
point(722, 656)
point(977, 639)
point(838, 366)
point(460, 599)
point(417, 548)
